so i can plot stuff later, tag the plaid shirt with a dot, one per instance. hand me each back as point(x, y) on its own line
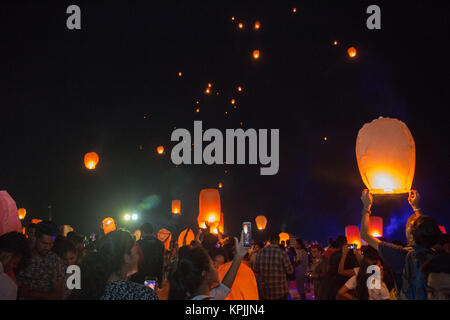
point(272, 264)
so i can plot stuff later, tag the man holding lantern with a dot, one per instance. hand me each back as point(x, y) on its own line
point(422, 233)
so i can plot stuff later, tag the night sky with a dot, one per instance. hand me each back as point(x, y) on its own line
point(113, 86)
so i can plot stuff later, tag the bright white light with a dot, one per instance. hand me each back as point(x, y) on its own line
point(134, 216)
point(127, 217)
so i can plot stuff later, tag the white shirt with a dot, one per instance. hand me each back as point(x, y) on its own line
point(374, 294)
point(218, 293)
point(8, 289)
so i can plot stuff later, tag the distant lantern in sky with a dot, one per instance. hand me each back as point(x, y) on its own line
point(351, 52)
point(335, 43)
point(208, 91)
point(376, 226)
point(325, 138)
point(209, 85)
point(186, 237)
point(176, 206)
point(197, 110)
point(284, 237)
point(220, 185)
point(233, 18)
point(255, 54)
point(209, 207)
point(261, 222)
point(239, 88)
point(241, 25)
point(294, 10)
point(108, 225)
point(91, 160)
point(386, 156)
point(165, 236)
point(353, 236)
point(180, 74)
point(233, 101)
point(160, 150)
point(22, 213)
point(257, 25)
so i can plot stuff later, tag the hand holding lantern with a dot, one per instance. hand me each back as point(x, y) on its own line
point(413, 199)
point(367, 200)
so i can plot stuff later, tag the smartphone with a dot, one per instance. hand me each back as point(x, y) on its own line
point(247, 227)
point(151, 283)
point(352, 246)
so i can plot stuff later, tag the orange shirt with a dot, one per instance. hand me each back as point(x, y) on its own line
point(244, 286)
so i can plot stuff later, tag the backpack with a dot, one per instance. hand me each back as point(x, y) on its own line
point(414, 283)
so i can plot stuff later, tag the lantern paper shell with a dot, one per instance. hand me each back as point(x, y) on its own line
point(442, 228)
point(22, 213)
point(91, 160)
point(376, 226)
point(386, 156)
point(165, 236)
point(186, 237)
point(9, 219)
point(209, 205)
point(221, 228)
point(353, 236)
point(36, 221)
point(108, 225)
point(261, 222)
point(176, 206)
point(284, 237)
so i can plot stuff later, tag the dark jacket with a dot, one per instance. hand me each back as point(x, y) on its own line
point(152, 260)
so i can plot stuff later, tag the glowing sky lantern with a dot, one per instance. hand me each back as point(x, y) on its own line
point(442, 228)
point(186, 237)
point(376, 226)
point(255, 54)
point(108, 225)
point(335, 43)
point(9, 218)
point(351, 52)
point(240, 25)
point(176, 206)
point(233, 18)
point(220, 185)
point(36, 221)
point(208, 91)
point(91, 160)
point(239, 88)
point(22, 213)
point(294, 10)
point(386, 156)
point(257, 25)
point(261, 222)
point(233, 101)
point(165, 236)
point(221, 227)
point(353, 236)
point(209, 206)
point(160, 150)
point(284, 237)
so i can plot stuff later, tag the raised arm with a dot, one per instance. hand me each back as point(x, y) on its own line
point(367, 199)
point(241, 251)
point(341, 270)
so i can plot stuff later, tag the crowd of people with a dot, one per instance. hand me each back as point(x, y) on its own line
point(118, 266)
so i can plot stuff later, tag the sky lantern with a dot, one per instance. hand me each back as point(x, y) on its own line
point(9, 218)
point(160, 150)
point(239, 88)
point(261, 222)
point(36, 221)
point(220, 185)
point(186, 237)
point(351, 52)
point(294, 10)
point(233, 101)
point(91, 160)
point(240, 25)
point(22, 213)
point(176, 206)
point(232, 18)
point(376, 226)
point(108, 225)
point(209, 207)
point(284, 237)
point(386, 156)
point(257, 25)
point(353, 236)
point(208, 91)
point(335, 43)
point(255, 54)
point(165, 236)
point(221, 227)
point(442, 228)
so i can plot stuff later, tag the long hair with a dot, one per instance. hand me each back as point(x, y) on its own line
point(97, 267)
point(187, 275)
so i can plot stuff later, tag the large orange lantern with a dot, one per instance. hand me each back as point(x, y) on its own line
point(66, 229)
point(36, 221)
point(186, 237)
point(386, 156)
point(351, 52)
point(353, 236)
point(22, 213)
point(165, 236)
point(91, 160)
point(176, 206)
point(284, 237)
point(376, 226)
point(209, 207)
point(108, 225)
point(261, 222)
point(221, 228)
point(442, 228)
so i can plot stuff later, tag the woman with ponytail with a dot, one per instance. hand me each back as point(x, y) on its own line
point(104, 273)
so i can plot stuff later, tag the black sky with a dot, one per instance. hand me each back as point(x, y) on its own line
point(65, 93)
